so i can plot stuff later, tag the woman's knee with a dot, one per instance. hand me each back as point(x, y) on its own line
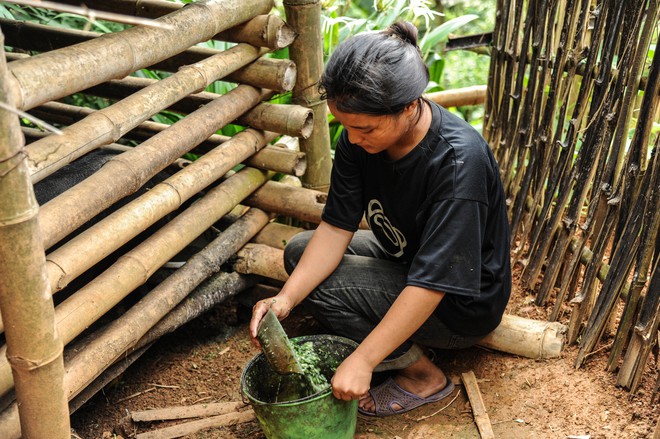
point(295, 248)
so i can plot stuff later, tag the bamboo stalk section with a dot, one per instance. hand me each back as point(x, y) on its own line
point(474, 95)
point(263, 30)
point(261, 260)
point(306, 52)
point(100, 240)
point(133, 269)
point(124, 174)
point(125, 332)
point(84, 65)
point(34, 347)
point(300, 203)
point(276, 235)
point(109, 124)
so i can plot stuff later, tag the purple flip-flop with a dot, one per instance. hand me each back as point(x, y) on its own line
point(389, 393)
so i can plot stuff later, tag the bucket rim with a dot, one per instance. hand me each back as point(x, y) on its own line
point(318, 395)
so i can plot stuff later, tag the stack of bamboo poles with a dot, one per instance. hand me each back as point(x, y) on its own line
point(36, 377)
point(569, 81)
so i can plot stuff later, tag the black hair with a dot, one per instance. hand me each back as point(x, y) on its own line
point(376, 72)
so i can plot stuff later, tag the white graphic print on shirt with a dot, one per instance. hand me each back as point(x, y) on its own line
point(382, 227)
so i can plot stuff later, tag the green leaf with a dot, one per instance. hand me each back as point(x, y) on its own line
point(441, 33)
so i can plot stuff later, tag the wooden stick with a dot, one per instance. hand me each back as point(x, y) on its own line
point(201, 424)
point(184, 412)
point(479, 412)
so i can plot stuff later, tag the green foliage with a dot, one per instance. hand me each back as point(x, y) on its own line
point(344, 18)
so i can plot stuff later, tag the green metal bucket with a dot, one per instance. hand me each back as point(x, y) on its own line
point(317, 416)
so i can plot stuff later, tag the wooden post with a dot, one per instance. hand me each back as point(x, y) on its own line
point(34, 346)
point(304, 16)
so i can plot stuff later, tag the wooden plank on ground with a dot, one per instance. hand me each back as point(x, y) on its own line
point(183, 412)
point(200, 424)
point(478, 407)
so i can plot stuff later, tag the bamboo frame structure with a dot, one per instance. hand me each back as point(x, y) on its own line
point(576, 188)
point(36, 347)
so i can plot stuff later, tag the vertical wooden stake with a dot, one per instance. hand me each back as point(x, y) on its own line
point(304, 16)
point(34, 348)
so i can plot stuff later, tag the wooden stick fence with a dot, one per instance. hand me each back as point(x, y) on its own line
point(563, 96)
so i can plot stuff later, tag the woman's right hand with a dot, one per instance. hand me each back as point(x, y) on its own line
point(280, 305)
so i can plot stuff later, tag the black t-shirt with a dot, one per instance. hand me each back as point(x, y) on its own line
point(441, 210)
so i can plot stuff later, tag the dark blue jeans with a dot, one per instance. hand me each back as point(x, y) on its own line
point(356, 296)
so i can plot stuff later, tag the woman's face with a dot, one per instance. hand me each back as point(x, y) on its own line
point(374, 134)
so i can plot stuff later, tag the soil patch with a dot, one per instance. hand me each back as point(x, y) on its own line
point(203, 362)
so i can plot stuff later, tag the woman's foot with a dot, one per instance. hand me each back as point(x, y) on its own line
point(422, 379)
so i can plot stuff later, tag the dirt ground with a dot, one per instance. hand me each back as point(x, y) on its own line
point(202, 363)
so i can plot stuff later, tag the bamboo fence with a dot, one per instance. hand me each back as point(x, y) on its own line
point(569, 82)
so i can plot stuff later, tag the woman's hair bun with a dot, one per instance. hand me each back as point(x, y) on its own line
point(404, 30)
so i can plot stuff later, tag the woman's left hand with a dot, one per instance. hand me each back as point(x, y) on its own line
point(352, 378)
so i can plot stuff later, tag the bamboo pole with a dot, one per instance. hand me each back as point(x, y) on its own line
point(293, 120)
point(301, 203)
point(474, 95)
point(84, 65)
point(261, 260)
point(109, 124)
point(100, 240)
point(65, 114)
point(210, 293)
point(125, 332)
point(270, 73)
point(124, 174)
point(133, 269)
point(275, 157)
point(34, 346)
point(276, 235)
point(263, 30)
point(306, 52)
